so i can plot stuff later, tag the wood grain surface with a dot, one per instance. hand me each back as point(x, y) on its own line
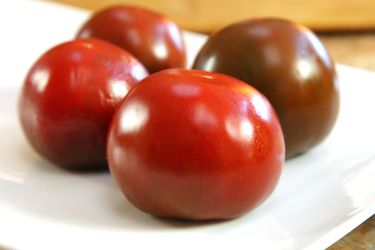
point(361, 238)
point(209, 15)
point(355, 49)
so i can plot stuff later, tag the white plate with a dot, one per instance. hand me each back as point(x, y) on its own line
point(322, 195)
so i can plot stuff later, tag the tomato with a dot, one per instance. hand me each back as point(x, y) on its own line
point(289, 65)
point(69, 97)
point(151, 37)
point(195, 145)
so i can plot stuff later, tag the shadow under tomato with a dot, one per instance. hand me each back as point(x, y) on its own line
point(131, 216)
point(183, 223)
point(86, 199)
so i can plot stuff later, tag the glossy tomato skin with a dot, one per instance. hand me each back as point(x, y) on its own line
point(195, 145)
point(69, 97)
point(289, 65)
point(151, 37)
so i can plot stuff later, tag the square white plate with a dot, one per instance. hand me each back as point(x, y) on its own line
point(322, 194)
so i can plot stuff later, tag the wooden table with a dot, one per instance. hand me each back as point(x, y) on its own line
point(351, 48)
point(361, 238)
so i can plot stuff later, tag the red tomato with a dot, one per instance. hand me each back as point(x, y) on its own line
point(195, 145)
point(151, 37)
point(69, 97)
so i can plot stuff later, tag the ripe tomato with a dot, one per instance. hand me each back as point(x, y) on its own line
point(69, 97)
point(151, 37)
point(289, 65)
point(195, 145)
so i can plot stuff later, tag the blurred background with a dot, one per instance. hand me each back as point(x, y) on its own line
point(347, 27)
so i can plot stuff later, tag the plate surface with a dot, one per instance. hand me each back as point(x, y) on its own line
point(321, 196)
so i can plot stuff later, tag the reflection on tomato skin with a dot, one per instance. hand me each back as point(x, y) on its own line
point(289, 65)
point(69, 97)
point(195, 145)
point(151, 37)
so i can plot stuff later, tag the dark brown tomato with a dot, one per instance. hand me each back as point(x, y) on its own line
point(151, 37)
point(289, 65)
